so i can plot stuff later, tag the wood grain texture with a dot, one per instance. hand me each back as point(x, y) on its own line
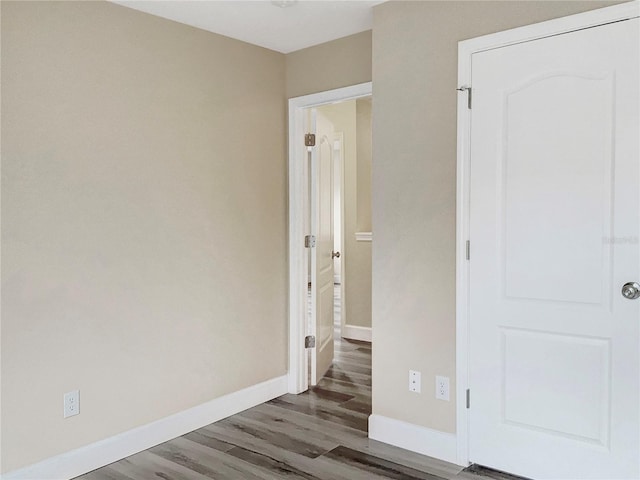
point(320, 434)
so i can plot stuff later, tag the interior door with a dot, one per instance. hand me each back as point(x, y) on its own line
point(322, 254)
point(554, 344)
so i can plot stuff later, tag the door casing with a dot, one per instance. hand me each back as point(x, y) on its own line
point(465, 51)
point(298, 194)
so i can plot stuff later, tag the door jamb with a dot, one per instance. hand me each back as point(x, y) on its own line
point(466, 49)
point(298, 269)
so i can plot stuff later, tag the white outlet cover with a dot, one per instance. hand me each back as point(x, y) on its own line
point(442, 388)
point(415, 381)
point(71, 403)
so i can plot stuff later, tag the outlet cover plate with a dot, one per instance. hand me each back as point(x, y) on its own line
point(414, 381)
point(442, 388)
point(71, 403)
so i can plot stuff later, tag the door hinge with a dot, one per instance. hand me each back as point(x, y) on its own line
point(309, 241)
point(309, 140)
point(310, 341)
point(468, 250)
point(468, 90)
point(468, 398)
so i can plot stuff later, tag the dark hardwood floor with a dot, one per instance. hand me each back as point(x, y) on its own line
point(319, 434)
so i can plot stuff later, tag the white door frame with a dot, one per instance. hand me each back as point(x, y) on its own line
point(465, 50)
point(298, 192)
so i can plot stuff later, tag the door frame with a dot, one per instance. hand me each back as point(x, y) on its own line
point(298, 193)
point(466, 49)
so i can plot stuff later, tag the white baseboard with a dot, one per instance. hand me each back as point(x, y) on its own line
point(412, 437)
point(85, 459)
point(353, 332)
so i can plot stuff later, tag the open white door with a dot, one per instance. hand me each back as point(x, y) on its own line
point(322, 254)
point(554, 227)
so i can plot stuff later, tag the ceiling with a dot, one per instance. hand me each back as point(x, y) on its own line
point(302, 24)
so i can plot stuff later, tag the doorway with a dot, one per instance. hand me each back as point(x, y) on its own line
point(332, 107)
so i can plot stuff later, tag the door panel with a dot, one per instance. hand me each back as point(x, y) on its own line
point(565, 392)
point(554, 347)
point(322, 260)
point(536, 193)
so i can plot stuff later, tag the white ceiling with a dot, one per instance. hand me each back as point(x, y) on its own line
point(305, 23)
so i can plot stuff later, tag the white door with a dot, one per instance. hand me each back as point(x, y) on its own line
point(554, 346)
point(322, 255)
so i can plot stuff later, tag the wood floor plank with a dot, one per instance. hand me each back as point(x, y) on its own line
point(356, 378)
point(340, 432)
point(297, 431)
point(105, 473)
point(307, 442)
point(344, 387)
point(351, 367)
point(209, 462)
point(270, 464)
point(324, 412)
point(290, 440)
point(316, 467)
point(358, 406)
point(338, 397)
point(145, 465)
point(378, 466)
point(414, 460)
point(198, 437)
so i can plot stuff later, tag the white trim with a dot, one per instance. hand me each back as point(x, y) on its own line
point(354, 332)
point(465, 50)
point(364, 236)
point(434, 443)
point(85, 459)
point(298, 270)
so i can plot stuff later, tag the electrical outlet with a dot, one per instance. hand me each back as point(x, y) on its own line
point(71, 403)
point(442, 388)
point(414, 381)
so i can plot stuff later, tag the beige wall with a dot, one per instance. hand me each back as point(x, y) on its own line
point(364, 145)
point(335, 64)
point(359, 253)
point(414, 184)
point(135, 219)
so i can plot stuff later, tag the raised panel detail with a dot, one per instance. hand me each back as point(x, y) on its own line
point(557, 179)
point(557, 383)
point(325, 159)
